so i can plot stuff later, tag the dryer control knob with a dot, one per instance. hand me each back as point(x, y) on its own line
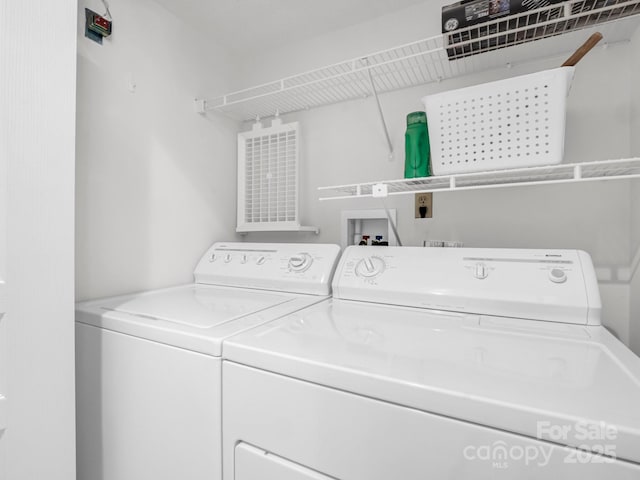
point(213, 257)
point(300, 262)
point(243, 259)
point(227, 258)
point(261, 260)
point(370, 267)
point(557, 275)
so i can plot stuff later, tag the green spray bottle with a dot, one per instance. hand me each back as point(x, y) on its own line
point(416, 146)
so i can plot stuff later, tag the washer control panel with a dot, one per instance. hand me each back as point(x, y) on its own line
point(550, 285)
point(300, 268)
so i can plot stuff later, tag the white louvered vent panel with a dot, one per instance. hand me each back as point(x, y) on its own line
point(268, 178)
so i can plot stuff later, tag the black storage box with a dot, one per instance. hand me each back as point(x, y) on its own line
point(471, 12)
point(462, 22)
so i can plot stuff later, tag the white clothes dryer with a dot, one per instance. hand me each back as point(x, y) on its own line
point(149, 367)
point(441, 364)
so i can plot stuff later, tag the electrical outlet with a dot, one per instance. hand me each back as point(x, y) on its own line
point(424, 205)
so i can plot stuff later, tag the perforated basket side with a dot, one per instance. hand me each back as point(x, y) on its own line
point(518, 122)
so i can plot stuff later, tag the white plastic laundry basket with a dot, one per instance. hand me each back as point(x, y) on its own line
point(518, 122)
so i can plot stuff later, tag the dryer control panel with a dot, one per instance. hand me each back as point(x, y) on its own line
point(551, 285)
point(288, 267)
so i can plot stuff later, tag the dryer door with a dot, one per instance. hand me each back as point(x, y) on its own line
point(255, 464)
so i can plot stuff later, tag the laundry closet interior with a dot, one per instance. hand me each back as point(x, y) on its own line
point(218, 261)
point(156, 179)
point(215, 262)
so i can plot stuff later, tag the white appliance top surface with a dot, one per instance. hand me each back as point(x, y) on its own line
point(198, 306)
point(238, 285)
point(510, 374)
point(194, 317)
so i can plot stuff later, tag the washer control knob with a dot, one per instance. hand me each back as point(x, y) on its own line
point(213, 257)
point(370, 267)
point(243, 259)
point(481, 271)
point(557, 275)
point(227, 258)
point(261, 260)
point(300, 262)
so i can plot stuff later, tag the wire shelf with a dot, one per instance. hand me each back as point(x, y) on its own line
point(542, 33)
point(554, 174)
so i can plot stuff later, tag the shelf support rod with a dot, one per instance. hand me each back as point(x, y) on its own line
point(392, 223)
point(384, 123)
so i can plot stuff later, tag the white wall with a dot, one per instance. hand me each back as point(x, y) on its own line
point(635, 137)
point(634, 293)
point(37, 135)
point(344, 144)
point(155, 181)
point(3, 258)
point(404, 26)
point(635, 198)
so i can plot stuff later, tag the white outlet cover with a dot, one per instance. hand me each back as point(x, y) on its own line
point(379, 190)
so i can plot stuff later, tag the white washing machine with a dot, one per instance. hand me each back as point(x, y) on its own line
point(149, 366)
point(437, 364)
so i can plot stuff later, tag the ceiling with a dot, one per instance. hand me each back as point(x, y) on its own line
point(247, 27)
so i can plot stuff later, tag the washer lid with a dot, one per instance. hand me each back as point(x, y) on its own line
point(567, 384)
point(194, 317)
point(196, 306)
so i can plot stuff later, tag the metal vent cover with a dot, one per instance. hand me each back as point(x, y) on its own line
point(268, 178)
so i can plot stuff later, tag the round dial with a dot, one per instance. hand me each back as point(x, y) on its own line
point(370, 267)
point(557, 275)
point(261, 260)
point(227, 258)
point(300, 262)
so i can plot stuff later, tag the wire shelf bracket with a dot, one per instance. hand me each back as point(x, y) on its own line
point(385, 128)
